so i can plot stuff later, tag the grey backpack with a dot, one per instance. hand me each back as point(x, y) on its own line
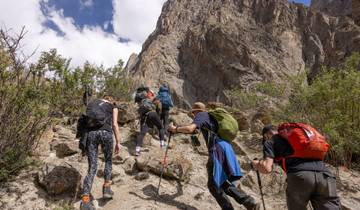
point(146, 106)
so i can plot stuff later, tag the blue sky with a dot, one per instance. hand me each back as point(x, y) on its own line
point(306, 2)
point(100, 31)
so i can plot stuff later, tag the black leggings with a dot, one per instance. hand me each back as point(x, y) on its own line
point(150, 120)
point(165, 119)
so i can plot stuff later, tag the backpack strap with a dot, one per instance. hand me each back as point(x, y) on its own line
point(282, 161)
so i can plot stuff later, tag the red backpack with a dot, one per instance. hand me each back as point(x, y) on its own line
point(305, 140)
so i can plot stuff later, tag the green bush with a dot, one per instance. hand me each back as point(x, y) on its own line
point(331, 104)
point(245, 100)
point(23, 110)
point(271, 89)
point(31, 96)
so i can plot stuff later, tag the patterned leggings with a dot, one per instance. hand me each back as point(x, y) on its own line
point(105, 138)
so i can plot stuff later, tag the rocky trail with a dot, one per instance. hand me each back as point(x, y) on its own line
point(58, 178)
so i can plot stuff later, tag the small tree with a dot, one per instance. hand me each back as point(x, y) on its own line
point(332, 104)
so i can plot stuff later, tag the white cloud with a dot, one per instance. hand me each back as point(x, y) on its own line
point(89, 43)
point(86, 3)
point(136, 19)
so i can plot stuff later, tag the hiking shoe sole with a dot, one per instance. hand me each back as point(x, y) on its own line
point(108, 196)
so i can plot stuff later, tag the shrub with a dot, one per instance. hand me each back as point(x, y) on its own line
point(23, 110)
point(332, 104)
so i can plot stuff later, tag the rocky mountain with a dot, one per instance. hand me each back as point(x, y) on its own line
point(56, 182)
point(203, 48)
point(356, 11)
point(334, 7)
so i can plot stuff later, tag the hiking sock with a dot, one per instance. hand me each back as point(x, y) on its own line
point(162, 143)
point(137, 150)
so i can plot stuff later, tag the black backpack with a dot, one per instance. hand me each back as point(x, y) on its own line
point(95, 114)
point(81, 132)
point(141, 94)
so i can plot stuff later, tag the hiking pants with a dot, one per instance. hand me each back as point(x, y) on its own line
point(220, 194)
point(317, 187)
point(105, 139)
point(150, 120)
point(164, 117)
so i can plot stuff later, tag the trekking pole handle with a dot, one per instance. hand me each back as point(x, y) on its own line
point(251, 165)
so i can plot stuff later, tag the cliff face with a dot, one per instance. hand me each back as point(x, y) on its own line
point(356, 11)
point(204, 47)
point(333, 7)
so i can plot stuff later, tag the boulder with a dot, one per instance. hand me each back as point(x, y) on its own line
point(65, 148)
point(129, 166)
point(127, 112)
point(180, 119)
point(142, 176)
point(60, 178)
point(63, 133)
point(176, 166)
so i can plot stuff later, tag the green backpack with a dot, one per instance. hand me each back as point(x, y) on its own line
point(228, 126)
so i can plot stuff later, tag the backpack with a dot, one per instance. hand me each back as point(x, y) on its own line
point(146, 106)
point(81, 132)
point(95, 115)
point(165, 98)
point(141, 94)
point(305, 140)
point(228, 126)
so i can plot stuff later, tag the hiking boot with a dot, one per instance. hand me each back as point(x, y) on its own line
point(107, 192)
point(86, 203)
point(87, 206)
point(252, 205)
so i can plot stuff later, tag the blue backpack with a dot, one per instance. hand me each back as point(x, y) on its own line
point(165, 97)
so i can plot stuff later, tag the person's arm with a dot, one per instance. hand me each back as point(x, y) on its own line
point(116, 129)
point(263, 166)
point(187, 129)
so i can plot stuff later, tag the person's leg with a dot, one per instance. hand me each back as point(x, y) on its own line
point(165, 120)
point(107, 143)
point(140, 138)
point(217, 193)
point(92, 153)
point(155, 120)
point(325, 196)
point(240, 196)
point(300, 187)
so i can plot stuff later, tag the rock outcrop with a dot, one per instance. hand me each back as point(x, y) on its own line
point(60, 177)
point(356, 11)
point(237, 44)
point(334, 7)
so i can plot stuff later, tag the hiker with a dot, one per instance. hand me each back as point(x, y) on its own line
point(222, 166)
point(166, 104)
point(307, 179)
point(102, 116)
point(148, 110)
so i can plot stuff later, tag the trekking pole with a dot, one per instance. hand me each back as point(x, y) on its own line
point(164, 162)
point(259, 183)
point(260, 187)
